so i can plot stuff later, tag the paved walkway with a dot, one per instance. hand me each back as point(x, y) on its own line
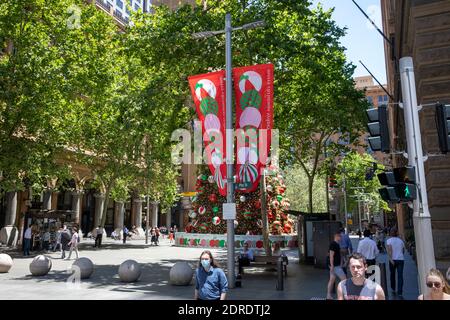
point(303, 281)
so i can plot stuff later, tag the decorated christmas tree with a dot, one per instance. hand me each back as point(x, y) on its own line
point(206, 216)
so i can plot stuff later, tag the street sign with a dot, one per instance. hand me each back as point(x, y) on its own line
point(229, 211)
point(242, 186)
point(350, 221)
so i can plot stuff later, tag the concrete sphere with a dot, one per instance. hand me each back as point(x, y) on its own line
point(40, 265)
point(6, 262)
point(86, 267)
point(181, 274)
point(129, 271)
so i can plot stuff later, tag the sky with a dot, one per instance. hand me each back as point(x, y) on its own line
point(363, 42)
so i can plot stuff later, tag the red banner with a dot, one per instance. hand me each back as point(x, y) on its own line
point(208, 91)
point(253, 87)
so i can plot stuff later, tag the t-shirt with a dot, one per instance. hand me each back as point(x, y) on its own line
point(397, 248)
point(368, 248)
point(27, 234)
point(334, 246)
point(248, 253)
point(211, 284)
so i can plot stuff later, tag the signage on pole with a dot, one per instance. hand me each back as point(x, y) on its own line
point(229, 211)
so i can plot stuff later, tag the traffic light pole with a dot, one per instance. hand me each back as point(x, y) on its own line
point(421, 217)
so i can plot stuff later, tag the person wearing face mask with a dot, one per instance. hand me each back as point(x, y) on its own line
point(210, 280)
point(438, 287)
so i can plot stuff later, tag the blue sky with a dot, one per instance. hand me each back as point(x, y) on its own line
point(363, 42)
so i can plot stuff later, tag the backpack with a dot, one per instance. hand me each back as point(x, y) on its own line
point(65, 237)
point(78, 239)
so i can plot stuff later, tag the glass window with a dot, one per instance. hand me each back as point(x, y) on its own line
point(136, 7)
point(380, 99)
point(370, 99)
point(119, 4)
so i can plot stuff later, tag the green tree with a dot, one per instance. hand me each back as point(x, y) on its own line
point(356, 169)
point(297, 190)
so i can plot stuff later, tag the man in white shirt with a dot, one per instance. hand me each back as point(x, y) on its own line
point(245, 257)
point(27, 241)
point(368, 248)
point(396, 250)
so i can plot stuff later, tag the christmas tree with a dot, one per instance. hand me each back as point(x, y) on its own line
point(206, 216)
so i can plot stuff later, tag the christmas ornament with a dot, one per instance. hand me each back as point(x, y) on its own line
point(215, 209)
point(287, 228)
point(212, 122)
point(251, 98)
point(250, 117)
point(199, 178)
point(258, 204)
point(213, 197)
point(188, 228)
point(275, 204)
point(194, 223)
point(236, 223)
point(192, 214)
point(250, 80)
point(248, 173)
point(215, 221)
point(247, 215)
point(269, 188)
point(202, 210)
point(209, 106)
point(279, 197)
point(211, 179)
point(242, 198)
point(204, 177)
point(203, 227)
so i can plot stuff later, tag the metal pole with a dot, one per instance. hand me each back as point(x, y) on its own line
point(359, 215)
point(421, 217)
point(345, 204)
point(229, 148)
point(147, 222)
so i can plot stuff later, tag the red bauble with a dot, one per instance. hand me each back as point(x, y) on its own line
point(213, 197)
point(287, 228)
point(258, 204)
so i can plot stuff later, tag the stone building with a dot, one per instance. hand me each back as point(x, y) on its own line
point(421, 29)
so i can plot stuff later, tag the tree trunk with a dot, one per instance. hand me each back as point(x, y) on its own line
point(310, 193)
point(265, 219)
point(105, 208)
point(301, 242)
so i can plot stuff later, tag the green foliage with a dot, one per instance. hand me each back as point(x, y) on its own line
point(353, 168)
point(297, 190)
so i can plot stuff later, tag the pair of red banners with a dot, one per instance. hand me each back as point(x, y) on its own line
point(253, 87)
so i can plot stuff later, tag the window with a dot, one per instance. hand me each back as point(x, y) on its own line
point(382, 99)
point(370, 99)
point(119, 4)
point(136, 7)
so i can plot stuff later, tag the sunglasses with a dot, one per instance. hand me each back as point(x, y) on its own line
point(437, 285)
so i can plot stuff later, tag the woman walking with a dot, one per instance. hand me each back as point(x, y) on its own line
point(74, 243)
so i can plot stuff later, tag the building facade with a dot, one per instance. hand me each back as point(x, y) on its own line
point(421, 29)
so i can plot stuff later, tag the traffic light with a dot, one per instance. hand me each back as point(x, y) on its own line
point(378, 129)
point(332, 182)
point(443, 126)
point(400, 185)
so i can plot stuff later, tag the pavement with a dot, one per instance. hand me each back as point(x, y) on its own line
point(304, 282)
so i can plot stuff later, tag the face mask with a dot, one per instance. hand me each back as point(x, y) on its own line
point(206, 264)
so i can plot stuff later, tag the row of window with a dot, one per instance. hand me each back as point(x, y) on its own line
point(381, 99)
point(120, 5)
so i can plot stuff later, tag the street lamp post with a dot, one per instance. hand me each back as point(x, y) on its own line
point(229, 129)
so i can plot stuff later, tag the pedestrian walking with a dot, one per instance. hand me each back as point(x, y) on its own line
point(334, 264)
point(358, 287)
point(153, 236)
point(157, 233)
point(210, 281)
point(65, 240)
point(396, 251)
point(98, 236)
point(245, 257)
point(346, 249)
point(74, 243)
point(368, 248)
point(46, 240)
point(125, 234)
point(58, 240)
point(27, 241)
point(171, 235)
point(438, 287)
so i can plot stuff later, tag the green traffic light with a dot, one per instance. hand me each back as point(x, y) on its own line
point(407, 193)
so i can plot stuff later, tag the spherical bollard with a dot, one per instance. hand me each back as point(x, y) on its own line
point(181, 274)
point(129, 271)
point(40, 265)
point(86, 267)
point(6, 262)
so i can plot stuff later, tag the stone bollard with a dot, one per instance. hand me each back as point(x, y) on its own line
point(40, 265)
point(6, 262)
point(129, 271)
point(86, 267)
point(181, 274)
